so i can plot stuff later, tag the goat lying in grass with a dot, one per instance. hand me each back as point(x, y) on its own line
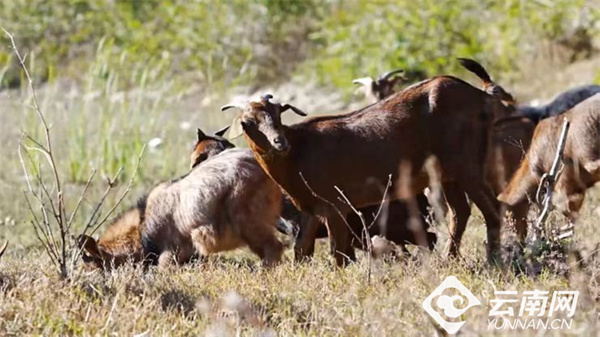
point(581, 159)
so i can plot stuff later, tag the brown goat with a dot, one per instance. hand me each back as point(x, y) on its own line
point(121, 242)
point(581, 159)
point(357, 152)
point(224, 203)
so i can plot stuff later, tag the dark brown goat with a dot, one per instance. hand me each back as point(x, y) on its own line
point(357, 152)
point(581, 159)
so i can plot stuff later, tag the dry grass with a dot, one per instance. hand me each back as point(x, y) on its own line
point(232, 295)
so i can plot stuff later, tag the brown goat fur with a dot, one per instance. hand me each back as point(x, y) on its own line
point(356, 152)
point(581, 159)
point(122, 242)
point(119, 244)
point(224, 203)
point(511, 137)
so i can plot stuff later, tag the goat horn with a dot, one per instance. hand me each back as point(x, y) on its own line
point(222, 131)
point(267, 97)
point(365, 81)
point(387, 75)
point(231, 106)
point(3, 248)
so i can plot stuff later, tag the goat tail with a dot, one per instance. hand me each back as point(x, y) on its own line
point(476, 68)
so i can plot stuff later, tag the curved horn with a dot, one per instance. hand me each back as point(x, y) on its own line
point(387, 75)
point(294, 109)
point(267, 97)
point(222, 131)
point(3, 249)
point(364, 81)
point(231, 106)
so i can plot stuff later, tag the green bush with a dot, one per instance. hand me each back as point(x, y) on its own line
point(224, 43)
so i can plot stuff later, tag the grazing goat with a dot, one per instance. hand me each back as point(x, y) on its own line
point(563, 102)
point(224, 203)
point(357, 152)
point(119, 244)
point(581, 159)
point(382, 87)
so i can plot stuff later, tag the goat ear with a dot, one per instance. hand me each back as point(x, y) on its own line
point(222, 131)
point(294, 109)
point(201, 135)
point(89, 246)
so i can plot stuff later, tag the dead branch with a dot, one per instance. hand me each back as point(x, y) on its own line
point(45, 199)
point(550, 178)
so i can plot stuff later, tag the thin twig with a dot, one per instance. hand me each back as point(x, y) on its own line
point(330, 204)
point(550, 178)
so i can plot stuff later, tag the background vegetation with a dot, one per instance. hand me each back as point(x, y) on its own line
point(114, 76)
